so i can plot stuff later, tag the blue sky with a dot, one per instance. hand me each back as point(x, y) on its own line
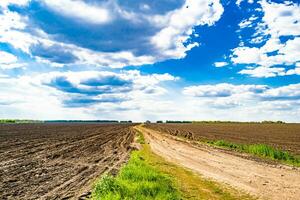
point(169, 59)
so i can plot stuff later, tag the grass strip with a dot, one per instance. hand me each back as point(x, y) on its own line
point(192, 185)
point(137, 180)
point(148, 176)
point(261, 150)
point(140, 137)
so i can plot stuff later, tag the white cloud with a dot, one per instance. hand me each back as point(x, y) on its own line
point(295, 71)
point(264, 72)
point(247, 22)
point(12, 27)
point(5, 3)
point(80, 10)
point(223, 90)
point(9, 61)
point(31, 97)
point(228, 91)
point(7, 58)
point(238, 2)
point(220, 64)
point(246, 55)
point(170, 36)
point(244, 102)
point(89, 94)
point(283, 93)
point(178, 26)
point(279, 20)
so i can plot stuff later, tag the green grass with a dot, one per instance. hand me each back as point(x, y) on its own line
point(140, 137)
point(191, 185)
point(20, 121)
point(261, 150)
point(148, 176)
point(136, 181)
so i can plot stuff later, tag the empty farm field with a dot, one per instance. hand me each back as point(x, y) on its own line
point(59, 161)
point(282, 136)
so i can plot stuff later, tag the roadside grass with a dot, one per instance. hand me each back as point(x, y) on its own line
point(260, 150)
point(137, 180)
point(140, 137)
point(148, 176)
point(192, 185)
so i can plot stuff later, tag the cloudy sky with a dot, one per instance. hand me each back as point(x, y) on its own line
point(157, 60)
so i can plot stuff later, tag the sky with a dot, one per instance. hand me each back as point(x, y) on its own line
point(150, 60)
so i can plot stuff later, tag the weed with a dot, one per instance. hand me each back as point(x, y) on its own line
point(261, 150)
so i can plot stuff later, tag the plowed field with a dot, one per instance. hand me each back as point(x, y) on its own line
point(282, 136)
point(58, 161)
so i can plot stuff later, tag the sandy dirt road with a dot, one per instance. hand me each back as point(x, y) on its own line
point(259, 179)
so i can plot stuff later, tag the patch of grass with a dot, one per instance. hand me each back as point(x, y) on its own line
point(140, 137)
point(191, 185)
point(18, 121)
point(136, 181)
point(149, 176)
point(261, 150)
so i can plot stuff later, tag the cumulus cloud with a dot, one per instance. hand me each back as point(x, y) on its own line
point(9, 61)
point(92, 87)
point(80, 10)
point(5, 3)
point(265, 72)
point(105, 33)
point(223, 90)
point(220, 64)
point(243, 102)
point(236, 93)
point(179, 26)
point(289, 92)
point(278, 38)
point(295, 71)
point(83, 95)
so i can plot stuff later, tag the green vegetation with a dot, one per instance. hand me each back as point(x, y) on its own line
point(137, 181)
point(273, 122)
point(140, 137)
point(18, 121)
point(261, 150)
point(178, 122)
point(189, 184)
point(148, 176)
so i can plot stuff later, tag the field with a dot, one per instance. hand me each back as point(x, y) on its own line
point(56, 161)
point(282, 136)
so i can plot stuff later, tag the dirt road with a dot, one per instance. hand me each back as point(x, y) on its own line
point(259, 179)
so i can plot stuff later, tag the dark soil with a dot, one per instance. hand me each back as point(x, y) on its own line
point(59, 161)
point(282, 136)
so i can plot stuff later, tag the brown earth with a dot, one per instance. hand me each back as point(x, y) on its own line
point(59, 161)
point(259, 179)
point(282, 136)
